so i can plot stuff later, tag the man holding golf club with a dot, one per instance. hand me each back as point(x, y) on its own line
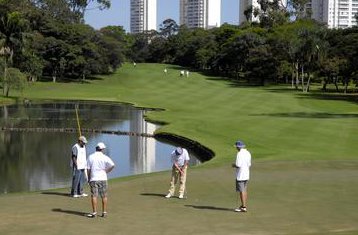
point(79, 163)
point(180, 160)
point(242, 165)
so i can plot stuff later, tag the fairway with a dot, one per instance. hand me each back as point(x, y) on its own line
point(304, 174)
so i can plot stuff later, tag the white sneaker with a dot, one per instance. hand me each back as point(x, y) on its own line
point(84, 195)
point(241, 209)
point(181, 196)
point(168, 195)
point(76, 195)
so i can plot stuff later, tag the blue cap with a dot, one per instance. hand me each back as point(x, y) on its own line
point(240, 144)
point(179, 151)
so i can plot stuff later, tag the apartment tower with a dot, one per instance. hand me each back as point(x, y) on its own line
point(200, 13)
point(143, 15)
point(334, 13)
point(246, 4)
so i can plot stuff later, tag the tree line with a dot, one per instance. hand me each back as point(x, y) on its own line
point(49, 40)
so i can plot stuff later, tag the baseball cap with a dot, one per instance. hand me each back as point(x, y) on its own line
point(83, 139)
point(179, 151)
point(101, 145)
point(240, 144)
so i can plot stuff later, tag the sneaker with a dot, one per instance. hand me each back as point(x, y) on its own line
point(92, 215)
point(84, 195)
point(168, 195)
point(241, 209)
point(104, 214)
point(76, 195)
point(181, 196)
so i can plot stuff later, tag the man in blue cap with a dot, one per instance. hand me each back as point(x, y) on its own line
point(180, 161)
point(242, 165)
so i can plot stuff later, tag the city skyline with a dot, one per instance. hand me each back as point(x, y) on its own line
point(166, 9)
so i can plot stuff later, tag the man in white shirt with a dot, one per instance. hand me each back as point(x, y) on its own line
point(79, 164)
point(180, 160)
point(98, 165)
point(242, 165)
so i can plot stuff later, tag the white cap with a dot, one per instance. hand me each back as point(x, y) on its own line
point(101, 145)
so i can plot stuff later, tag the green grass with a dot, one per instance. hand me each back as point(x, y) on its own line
point(304, 172)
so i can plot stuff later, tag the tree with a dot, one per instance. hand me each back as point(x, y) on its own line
point(12, 28)
point(168, 28)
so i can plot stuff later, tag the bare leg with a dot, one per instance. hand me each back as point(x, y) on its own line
point(104, 204)
point(243, 197)
point(94, 204)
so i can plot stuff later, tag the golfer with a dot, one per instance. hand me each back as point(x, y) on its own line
point(180, 160)
point(79, 163)
point(98, 165)
point(242, 165)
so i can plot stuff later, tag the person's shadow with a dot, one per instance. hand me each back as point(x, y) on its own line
point(79, 213)
point(210, 208)
point(57, 194)
point(153, 194)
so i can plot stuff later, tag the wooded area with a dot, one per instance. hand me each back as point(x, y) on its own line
point(48, 40)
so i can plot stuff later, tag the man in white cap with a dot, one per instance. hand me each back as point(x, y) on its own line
point(79, 164)
point(180, 160)
point(98, 165)
point(242, 165)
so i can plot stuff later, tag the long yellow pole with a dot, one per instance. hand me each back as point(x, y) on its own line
point(78, 121)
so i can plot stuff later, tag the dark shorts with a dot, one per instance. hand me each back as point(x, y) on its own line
point(241, 185)
point(99, 188)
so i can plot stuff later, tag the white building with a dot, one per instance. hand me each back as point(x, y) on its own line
point(143, 15)
point(334, 13)
point(245, 4)
point(200, 13)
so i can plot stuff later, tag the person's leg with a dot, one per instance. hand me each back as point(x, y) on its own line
point(182, 183)
point(94, 204)
point(94, 195)
point(243, 196)
point(75, 182)
point(104, 204)
point(173, 181)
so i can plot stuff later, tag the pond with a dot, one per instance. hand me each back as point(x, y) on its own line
point(36, 141)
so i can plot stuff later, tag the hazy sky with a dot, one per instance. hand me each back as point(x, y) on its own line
point(119, 13)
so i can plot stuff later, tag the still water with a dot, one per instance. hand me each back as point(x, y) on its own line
point(38, 160)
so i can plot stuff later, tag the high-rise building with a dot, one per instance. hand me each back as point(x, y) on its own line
point(334, 13)
point(143, 15)
point(200, 13)
point(253, 4)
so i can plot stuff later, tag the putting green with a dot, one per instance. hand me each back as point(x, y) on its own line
point(304, 173)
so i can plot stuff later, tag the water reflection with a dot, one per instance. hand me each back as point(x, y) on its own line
point(40, 160)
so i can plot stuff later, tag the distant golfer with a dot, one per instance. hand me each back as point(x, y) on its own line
point(242, 165)
point(180, 160)
point(79, 164)
point(98, 165)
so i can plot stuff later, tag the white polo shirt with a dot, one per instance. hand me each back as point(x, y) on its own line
point(243, 164)
point(98, 163)
point(180, 159)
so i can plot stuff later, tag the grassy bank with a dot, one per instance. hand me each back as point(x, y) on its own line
point(304, 173)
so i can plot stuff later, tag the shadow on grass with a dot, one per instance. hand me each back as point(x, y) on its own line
point(79, 213)
point(153, 194)
point(57, 194)
point(210, 208)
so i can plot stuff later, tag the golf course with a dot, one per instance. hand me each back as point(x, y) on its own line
point(304, 172)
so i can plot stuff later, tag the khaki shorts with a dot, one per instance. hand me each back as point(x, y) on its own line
point(241, 185)
point(99, 188)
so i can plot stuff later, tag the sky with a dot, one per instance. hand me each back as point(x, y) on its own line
point(119, 13)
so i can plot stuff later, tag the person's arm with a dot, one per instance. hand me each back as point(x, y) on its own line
point(88, 174)
point(74, 161)
point(178, 167)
